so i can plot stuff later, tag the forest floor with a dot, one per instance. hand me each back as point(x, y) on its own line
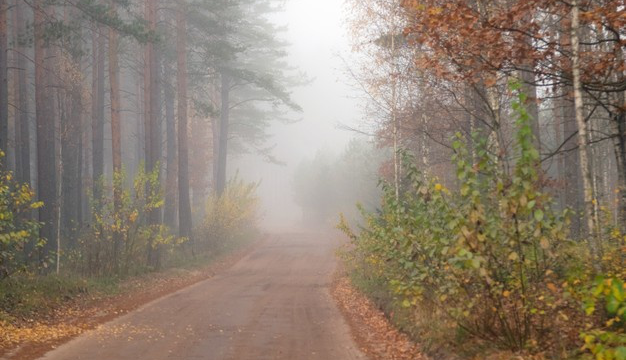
point(32, 338)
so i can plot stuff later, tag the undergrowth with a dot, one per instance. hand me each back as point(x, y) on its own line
point(488, 267)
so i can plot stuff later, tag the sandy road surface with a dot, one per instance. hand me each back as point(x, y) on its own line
point(273, 304)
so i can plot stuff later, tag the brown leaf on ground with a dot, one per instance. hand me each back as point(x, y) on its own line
point(371, 329)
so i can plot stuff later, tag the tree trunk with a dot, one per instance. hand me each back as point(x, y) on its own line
point(619, 143)
point(4, 84)
point(222, 154)
point(169, 217)
point(583, 151)
point(571, 159)
point(184, 207)
point(116, 136)
point(46, 153)
point(70, 135)
point(157, 118)
point(147, 95)
point(97, 113)
point(151, 108)
point(22, 120)
point(215, 137)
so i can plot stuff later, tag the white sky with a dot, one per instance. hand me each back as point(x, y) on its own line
point(318, 38)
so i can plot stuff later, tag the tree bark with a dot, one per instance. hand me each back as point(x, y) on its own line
point(222, 154)
point(46, 152)
point(571, 159)
point(583, 151)
point(71, 135)
point(147, 95)
point(619, 142)
point(22, 120)
point(184, 207)
point(157, 118)
point(151, 108)
point(116, 136)
point(169, 217)
point(97, 112)
point(4, 84)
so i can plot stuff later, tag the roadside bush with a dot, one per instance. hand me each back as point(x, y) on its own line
point(120, 241)
point(491, 262)
point(17, 229)
point(230, 217)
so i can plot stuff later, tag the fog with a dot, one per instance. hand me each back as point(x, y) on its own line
point(319, 45)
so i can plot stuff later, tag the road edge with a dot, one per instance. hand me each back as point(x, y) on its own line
point(370, 328)
point(110, 308)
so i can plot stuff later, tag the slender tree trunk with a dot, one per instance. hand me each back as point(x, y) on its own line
point(222, 155)
point(22, 120)
point(19, 166)
point(71, 135)
point(46, 153)
point(97, 112)
point(619, 143)
point(157, 118)
point(184, 207)
point(151, 108)
point(215, 137)
point(571, 159)
point(560, 165)
point(4, 84)
point(79, 191)
point(116, 135)
point(169, 217)
point(585, 170)
point(147, 96)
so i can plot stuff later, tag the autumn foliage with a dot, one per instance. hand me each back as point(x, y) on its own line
point(487, 265)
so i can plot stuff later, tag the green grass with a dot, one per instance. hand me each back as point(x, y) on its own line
point(34, 296)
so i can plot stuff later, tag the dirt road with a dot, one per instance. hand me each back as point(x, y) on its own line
point(273, 304)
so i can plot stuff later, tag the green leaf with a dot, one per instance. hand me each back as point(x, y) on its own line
point(539, 215)
point(612, 305)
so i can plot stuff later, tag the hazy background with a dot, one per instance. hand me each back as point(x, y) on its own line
point(319, 41)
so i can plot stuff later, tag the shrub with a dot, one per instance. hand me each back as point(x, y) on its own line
point(120, 241)
point(229, 217)
point(17, 229)
point(491, 257)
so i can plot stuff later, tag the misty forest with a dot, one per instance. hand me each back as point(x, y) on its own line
point(313, 179)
